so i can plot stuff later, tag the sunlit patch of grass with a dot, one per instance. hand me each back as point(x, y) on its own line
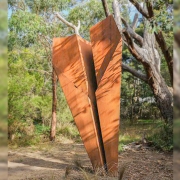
point(135, 132)
point(69, 131)
point(127, 138)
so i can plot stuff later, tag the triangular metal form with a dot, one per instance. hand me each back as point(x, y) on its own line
point(73, 63)
point(106, 44)
point(90, 76)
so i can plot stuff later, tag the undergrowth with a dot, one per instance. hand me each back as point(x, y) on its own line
point(160, 134)
point(22, 134)
point(163, 138)
point(68, 130)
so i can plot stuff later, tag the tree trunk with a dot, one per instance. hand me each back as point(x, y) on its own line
point(54, 105)
point(162, 96)
point(144, 49)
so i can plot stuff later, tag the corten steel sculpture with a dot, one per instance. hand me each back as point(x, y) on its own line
point(73, 63)
point(107, 52)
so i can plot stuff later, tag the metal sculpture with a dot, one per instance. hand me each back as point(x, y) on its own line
point(73, 63)
point(90, 76)
point(107, 52)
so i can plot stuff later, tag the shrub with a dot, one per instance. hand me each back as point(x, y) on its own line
point(163, 139)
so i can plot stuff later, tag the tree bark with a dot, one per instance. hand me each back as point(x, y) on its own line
point(54, 80)
point(151, 62)
point(54, 105)
point(105, 6)
point(149, 15)
point(163, 97)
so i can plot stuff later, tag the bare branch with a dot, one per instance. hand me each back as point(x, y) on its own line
point(105, 6)
point(76, 29)
point(119, 20)
point(139, 8)
point(117, 15)
point(124, 22)
point(135, 21)
point(135, 50)
point(137, 74)
point(129, 40)
point(150, 8)
point(169, 59)
point(134, 35)
point(48, 39)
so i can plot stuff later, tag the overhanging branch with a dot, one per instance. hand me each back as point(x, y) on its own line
point(117, 15)
point(150, 8)
point(105, 6)
point(139, 8)
point(119, 20)
point(137, 74)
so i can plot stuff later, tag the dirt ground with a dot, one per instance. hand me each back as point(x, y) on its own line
point(56, 161)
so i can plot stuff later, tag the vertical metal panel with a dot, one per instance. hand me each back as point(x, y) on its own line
point(73, 63)
point(107, 52)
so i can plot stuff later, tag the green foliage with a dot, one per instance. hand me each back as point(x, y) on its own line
point(26, 33)
point(25, 99)
point(176, 129)
point(163, 138)
point(164, 20)
point(42, 130)
point(88, 14)
point(160, 134)
point(29, 78)
point(163, 12)
point(68, 130)
point(132, 133)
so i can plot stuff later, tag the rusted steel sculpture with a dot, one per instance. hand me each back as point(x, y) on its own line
point(92, 89)
point(73, 63)
point(107, 52)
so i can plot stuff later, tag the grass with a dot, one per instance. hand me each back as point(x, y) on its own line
point(69, 131)
point(135, 132)
point(154, 131)
point(127, 138)
point(176, 133)
point(163, 139)
point(64, 132)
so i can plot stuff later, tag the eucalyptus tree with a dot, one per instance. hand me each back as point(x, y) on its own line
point(147, 48)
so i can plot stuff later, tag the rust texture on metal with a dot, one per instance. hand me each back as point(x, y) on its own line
point(106, 44)
point(73, 63)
